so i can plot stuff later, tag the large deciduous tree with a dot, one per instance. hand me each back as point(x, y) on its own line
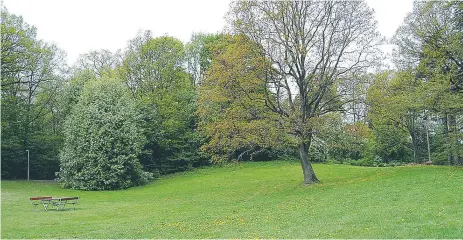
point(312, 46)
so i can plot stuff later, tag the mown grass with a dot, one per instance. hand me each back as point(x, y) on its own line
point(253, 200)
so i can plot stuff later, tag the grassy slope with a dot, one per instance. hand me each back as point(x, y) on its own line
point(264, 200)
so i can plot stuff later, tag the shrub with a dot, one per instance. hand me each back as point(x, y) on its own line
point(368, 162)
point(102, 140)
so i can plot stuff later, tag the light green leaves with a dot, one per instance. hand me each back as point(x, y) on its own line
point(103, 140)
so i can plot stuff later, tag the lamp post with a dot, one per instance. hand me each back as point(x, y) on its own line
point(427, 139)
point(27, 165)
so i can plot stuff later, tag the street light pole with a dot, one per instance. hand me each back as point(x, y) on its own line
point(427, 138)
point(27, 165)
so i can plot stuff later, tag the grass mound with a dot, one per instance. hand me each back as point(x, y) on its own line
point(252, 200)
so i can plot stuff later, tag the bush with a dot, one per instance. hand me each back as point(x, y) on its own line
point(368, 162)
point(102, 140)
point(373, 162)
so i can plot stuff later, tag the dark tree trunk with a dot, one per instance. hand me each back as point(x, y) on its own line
point(453, 139)
point(307, 170)
point(414, 144)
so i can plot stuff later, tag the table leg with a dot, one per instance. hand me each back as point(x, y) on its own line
point(45, 205)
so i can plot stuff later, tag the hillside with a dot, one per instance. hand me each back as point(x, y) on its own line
point(252, 200)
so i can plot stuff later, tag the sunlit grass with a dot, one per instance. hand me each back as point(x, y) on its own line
point(253, 200)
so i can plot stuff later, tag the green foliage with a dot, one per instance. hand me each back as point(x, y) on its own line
point(366, 162)
point(18, 46)
point(391, 144)
point(430, 43)
point(198, 54)
point(440, 148)
point(100, 63)
point(310, 58)
point(153, 65)
point(103, 140)
point(397, 114)
point(342, 141)
point(153, 69)
point(169, 124)
point(13, 158)
point(232, 110)
point(31, 77)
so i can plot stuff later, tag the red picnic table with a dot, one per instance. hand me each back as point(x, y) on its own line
point(58, 202)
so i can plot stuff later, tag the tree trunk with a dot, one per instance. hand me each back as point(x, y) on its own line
point(453, 139)
point(427, 141)
point(446, 136)
point(307, 170)
point(415, 148)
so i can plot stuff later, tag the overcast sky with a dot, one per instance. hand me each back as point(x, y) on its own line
point(78, 26)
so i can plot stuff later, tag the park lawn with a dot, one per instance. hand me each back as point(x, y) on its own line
point(252, 200)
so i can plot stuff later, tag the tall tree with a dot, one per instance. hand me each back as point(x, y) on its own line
point(99, 62)
point(431, 41)
point(153, 64)
point(312, 46)
point(231, 102)
point(397, 105)
point(430, 44)
point(31, 77)
point(153, 68)
point(198, 54)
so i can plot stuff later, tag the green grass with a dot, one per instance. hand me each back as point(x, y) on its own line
point(253, 200)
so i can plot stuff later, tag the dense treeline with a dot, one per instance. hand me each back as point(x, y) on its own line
point(46, 107)
point(32, 75)
point(280, 83)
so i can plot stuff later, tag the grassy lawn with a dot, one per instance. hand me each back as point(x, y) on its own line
point(252, 200)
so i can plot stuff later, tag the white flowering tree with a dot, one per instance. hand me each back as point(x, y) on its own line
point(103, 140)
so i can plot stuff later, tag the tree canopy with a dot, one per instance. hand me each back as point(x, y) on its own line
point(312, 47)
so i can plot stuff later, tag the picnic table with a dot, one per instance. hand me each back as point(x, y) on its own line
point(58, 202)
